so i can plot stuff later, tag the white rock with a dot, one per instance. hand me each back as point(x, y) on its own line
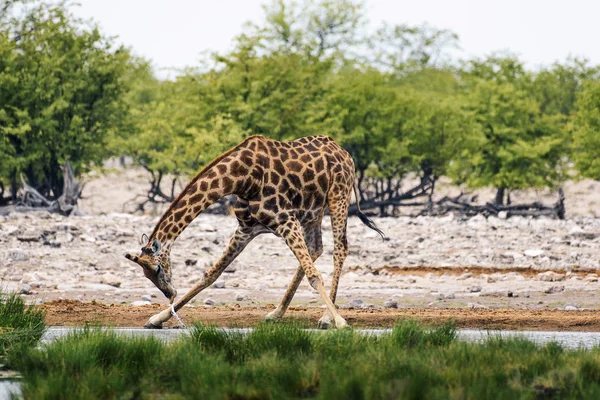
point(240, 297)
point(18, 255)
point(140, 303)
point(533, 252)
point(475, 289)
point(209, 301)
point(146, 297)
point(476, 305)
point(25, 289)
point(550, 276)
point(219, 285)
point(571, 308)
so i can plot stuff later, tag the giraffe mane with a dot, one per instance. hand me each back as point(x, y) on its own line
point(195, 179)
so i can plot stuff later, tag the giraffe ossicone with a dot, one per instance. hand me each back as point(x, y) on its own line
point(281, 188)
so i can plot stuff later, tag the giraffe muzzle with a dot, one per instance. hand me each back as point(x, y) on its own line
point(130, 257)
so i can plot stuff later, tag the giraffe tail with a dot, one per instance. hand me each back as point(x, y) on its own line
point(366, 220)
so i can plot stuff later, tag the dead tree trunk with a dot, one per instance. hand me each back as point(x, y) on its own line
point(29, 199)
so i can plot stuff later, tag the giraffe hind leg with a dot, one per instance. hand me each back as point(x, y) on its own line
point(292, 233)
point(338, 210)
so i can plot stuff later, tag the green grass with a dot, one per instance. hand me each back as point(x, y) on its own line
point(20, 324)
point(281, 361)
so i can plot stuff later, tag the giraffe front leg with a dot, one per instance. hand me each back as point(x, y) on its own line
point(238, 242)
point(287, 298)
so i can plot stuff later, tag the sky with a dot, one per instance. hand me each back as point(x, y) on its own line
point(174, 33)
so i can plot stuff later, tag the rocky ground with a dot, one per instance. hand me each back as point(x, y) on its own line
point(426, 262)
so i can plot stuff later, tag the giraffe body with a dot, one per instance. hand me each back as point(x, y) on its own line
point(282, 188)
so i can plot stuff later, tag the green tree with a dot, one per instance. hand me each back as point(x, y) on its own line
point(587, 131)
point(60, 96)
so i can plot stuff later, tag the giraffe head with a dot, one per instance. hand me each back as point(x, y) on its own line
point(156, 264)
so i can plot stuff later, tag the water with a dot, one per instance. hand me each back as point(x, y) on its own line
point(571, 340)
point(8, 387)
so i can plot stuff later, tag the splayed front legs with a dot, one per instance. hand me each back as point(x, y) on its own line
point(238, 242)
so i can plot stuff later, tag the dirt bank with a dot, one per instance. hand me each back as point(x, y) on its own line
point(75, 313)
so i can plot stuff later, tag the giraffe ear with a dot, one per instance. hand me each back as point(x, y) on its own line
point(155, 247)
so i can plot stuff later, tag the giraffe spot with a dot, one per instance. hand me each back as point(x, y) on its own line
point(270, 204)
point(252, 145)
point(274, 178)
point(179, 214)
point(197, 210)
point(284, 154)
point(222, 168)
point(284, 186)
point(204, 186)
point(264, 160)
point(293, 153)
point(308, 202)
point(311, 187)
point(305, 158)
point(310, 147)
point(214, 184)
point(188, 218)
point(322, 180)
point(238, 169)
point(254, 208)
point(308, 175)
point(168, 227)
point(257, 174)
point(319, 164)
point(211, 174)
point(273, 151)
point(196, 198)
point(213, 196)
point(319, 200)
point(294, 166)
point(278, 167)
point(269, 191)
point(261, 147)
point(297, 201)
point(283, 202)
point(227, 184)
point(295, 180)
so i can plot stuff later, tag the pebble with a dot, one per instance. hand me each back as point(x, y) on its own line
point(18, 255)
point(475, 289)
point(25, 289)
point(240, 297)
point(138, 303)
point(147, 297)
point(571, 308)
point(357, 303)
point(554, 289)
point(209, 302)
point(219, 285)
point(390, 304)
point(550, 276)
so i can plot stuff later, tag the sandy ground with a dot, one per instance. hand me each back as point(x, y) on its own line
point(75, 313)
point(476, 267)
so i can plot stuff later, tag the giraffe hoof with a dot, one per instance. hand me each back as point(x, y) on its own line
point(150, 325)
point(273, 316)
point(340, 323)
point(324, 322)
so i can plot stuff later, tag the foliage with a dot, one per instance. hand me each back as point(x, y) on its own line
point(20, 324)
point(523, 147)
point(587, 131)
point(60, 96)
point(283, 362)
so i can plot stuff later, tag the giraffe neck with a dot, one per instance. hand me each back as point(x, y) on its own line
point(205, 189)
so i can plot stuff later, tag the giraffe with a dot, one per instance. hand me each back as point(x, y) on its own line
point(282, 188)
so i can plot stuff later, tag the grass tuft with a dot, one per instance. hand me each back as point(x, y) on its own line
point(283, 361)
point(20, 324)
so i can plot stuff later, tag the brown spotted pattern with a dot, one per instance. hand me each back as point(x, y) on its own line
point(282, 188)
